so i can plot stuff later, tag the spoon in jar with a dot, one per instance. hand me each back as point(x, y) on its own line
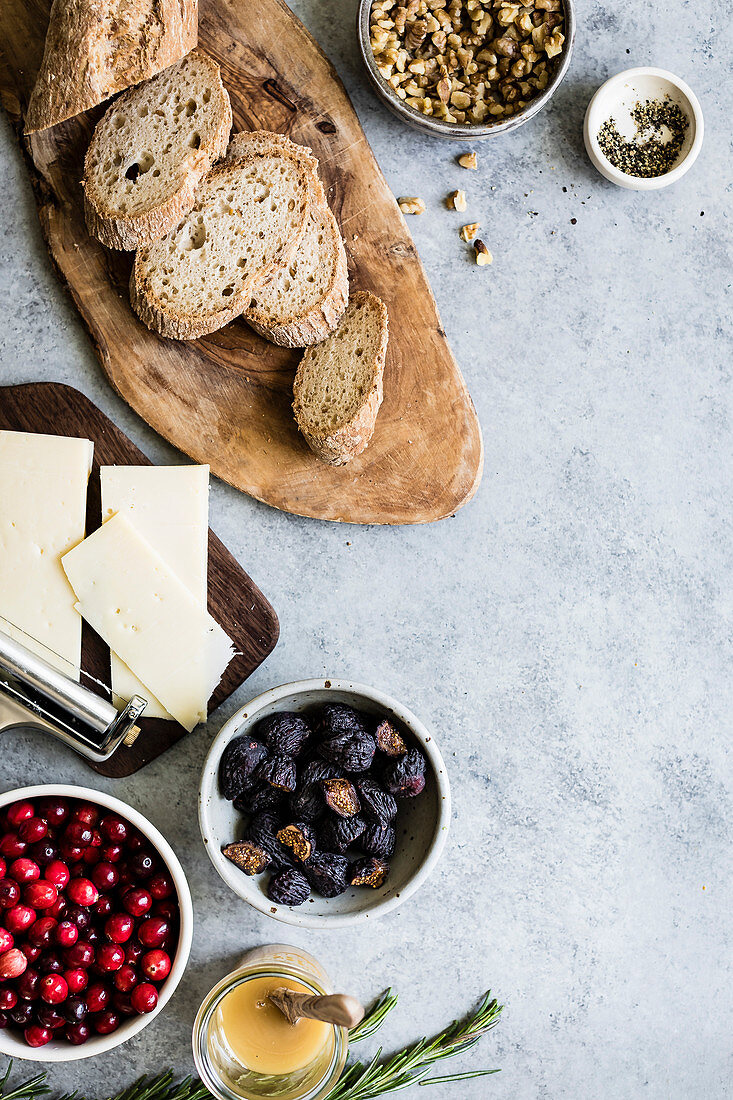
point(338, 1009)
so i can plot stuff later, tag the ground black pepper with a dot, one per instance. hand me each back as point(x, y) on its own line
point(647, 154)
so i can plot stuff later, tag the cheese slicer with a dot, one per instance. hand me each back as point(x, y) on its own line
point(37, 695)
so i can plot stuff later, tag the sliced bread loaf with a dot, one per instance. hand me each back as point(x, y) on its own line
point(338, 385)
point(95, 49)
point(150, 151)
point(303, 303)
point(249, 217)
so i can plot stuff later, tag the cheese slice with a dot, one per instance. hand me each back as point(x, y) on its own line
point(43, 503)
point(137, 604)
point(169, 507)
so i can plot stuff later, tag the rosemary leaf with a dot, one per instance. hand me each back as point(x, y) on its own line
point(374, 1018)
point(458, 1076)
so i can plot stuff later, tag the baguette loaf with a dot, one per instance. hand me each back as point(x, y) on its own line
point(304, 301)
point(95, 48)
point(150, 151)
point(248, 219)
point(338, 384)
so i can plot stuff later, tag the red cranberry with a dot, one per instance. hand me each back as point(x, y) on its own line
point(42, 853)
point(8, 999)
point(122, 1003)
point(24, 870)
point(153, 932)
point(19, 918)
point(77, 1034)
point(93, 935)
point(110, 957)
point(92, 856)
point(50, 963)
point(135, 842)
point(104, 907)
point(77, 980)
point(22, 1014)
point(125, 979)
point(3, 867)
point(114, 829)
point(136, 901)
point(27, 985)
point(66, 934)
point(82, 891)
point(57, 873)
point(106, 1022)
point(79, 916)
point(112, 853)
point(78, 834)
point(144, 997)
point(58, 907)
point(87, 813)
point(37, 1036)
point(168, 910)
point(142, 864)
point(41, 894)
point(134, 951)
point(32, 952)
point(98, 997)
point(9, 893)
point(11, 846)
point(70, 852)
point(119, 928)
point(13, 964)
point(32, 830)
point(75, 1010)
point(20, 811)
point(6, 940)
point(54, 989)
point(160, 886)
point(4, 1020)
point(41, 933)
point(81, 954)
point(105, 876)
point(49, 1016)
point(53, 810)
point(156, 965)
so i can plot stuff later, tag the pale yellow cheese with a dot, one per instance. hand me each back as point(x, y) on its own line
point(169, 507)
point(137, 604)
point(43, 501)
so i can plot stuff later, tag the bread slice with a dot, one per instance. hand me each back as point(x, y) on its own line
point(94, 50)
point(338, 385)
point(150, 151)
point(247, 142)
point(303, 303)
point(249, 217)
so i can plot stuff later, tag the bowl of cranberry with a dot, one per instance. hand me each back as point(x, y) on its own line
point(95, 922)
point(324, 803)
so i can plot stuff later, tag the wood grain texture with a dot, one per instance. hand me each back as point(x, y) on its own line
point(226, 399)
point(235, 601)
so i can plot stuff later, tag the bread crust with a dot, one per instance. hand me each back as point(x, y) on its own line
point(348, 440)
point(128, 232)
point(95, 48)
point(180, 325)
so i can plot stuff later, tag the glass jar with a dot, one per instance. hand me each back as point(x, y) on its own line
point(223, 1072)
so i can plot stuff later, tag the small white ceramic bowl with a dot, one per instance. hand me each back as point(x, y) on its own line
point(422, 824)
point(11, 1043)
point(617, 98)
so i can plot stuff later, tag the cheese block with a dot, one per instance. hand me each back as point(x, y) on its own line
point(169, 507)
point(137, 604)
point(43, 503)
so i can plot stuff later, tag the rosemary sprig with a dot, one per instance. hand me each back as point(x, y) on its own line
point(374, 1018)
point(160, 1087)
point(28, 1090)
point(410, 1066)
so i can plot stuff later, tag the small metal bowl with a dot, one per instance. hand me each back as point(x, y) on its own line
point(461, 131)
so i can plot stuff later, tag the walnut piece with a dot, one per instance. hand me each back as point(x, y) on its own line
point(456, 201)
point(411, 204)
point(482, 254)
point(468, 232)
point(468, 160)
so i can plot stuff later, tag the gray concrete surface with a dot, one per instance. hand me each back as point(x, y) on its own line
point(567, 634)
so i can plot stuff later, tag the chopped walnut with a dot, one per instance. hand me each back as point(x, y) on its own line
point(457, 201)
point(482, 254)
point(468, 232)
point(411, 205)
point(459, 60)
point(468, 160)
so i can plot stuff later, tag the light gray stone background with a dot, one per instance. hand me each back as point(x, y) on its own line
point(567, 634)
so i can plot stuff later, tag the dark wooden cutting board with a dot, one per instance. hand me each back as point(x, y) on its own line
point(226, 399)
point(235, 601)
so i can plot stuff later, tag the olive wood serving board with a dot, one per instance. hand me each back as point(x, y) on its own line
point(234, 601)
point(226, 399)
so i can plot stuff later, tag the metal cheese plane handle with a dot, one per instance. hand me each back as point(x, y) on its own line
point(35, 694)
